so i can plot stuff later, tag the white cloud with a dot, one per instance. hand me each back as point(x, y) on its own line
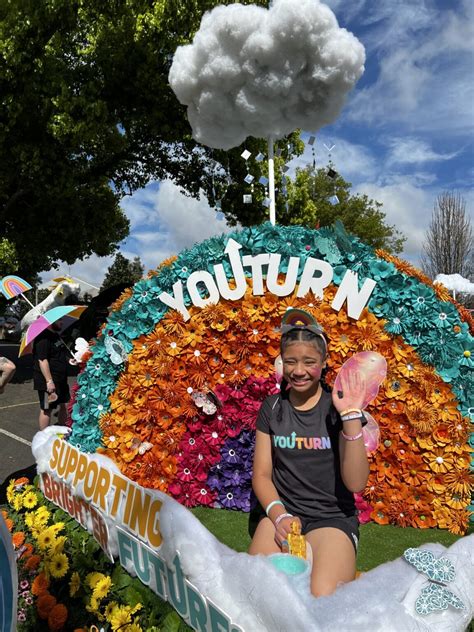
point(264, 73)
point(425, 75)
point(407, 207)
point(163, 222)
point(412, 151)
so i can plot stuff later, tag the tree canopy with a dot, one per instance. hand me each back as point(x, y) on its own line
point(123, 270)
point(87, 117)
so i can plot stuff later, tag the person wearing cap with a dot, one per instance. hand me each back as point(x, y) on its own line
point(7, 370)
point(310, 458)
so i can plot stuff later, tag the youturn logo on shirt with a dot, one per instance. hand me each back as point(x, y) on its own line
point(292, 442)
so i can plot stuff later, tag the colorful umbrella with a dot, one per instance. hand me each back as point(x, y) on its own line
point(68, 313)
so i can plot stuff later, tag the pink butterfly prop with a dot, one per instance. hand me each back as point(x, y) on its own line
point(373, 368)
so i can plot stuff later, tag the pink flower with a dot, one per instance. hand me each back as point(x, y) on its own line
point(364, 509)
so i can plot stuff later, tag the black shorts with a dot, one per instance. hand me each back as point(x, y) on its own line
point(62, 391)
point(348, 524)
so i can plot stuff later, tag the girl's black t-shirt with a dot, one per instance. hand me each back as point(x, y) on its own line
point(305, 451)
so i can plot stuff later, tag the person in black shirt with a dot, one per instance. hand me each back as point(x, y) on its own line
point(310, 458)
point(50, 363)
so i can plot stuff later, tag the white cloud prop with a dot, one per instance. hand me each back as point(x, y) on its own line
point(258, 597)
point(261, 72)
point(455, 282)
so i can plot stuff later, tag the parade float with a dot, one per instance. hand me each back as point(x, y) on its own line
point(163, 417)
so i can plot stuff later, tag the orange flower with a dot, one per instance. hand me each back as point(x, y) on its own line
point(416, 474)
point(456, 521)
point(32, 563)
point(44, 604)
point(439, 460)
point(380, 514)
point(173, 323)
point(401, 513)
point(459, 482)
point(57, 617)
point(422, 418)
point(18, 538)
point(424, 520)
point(40, 583)
point(457, 501)
point(9, 523)
point(450, 412)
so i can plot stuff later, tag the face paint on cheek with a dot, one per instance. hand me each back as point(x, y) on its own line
point(315, 372)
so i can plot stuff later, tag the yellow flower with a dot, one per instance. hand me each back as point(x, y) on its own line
point(136, 607)
point(102, 588)
point(30, 500)
point(133, 627)
point(59, 544)
point(93, 578)
point(46, 539)
point(30, 518)
point(11, 491)
point(109, 609)
point(58, 565)
point(16, 502)
point(74, 583)
point(119, 617)
point(93, 606)
point(56, 528)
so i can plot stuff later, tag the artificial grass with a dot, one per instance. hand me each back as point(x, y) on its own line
point(378, 543)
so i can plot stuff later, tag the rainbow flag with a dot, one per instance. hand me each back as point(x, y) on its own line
point(13, 285)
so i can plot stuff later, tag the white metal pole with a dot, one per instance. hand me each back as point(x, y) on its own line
point(271, 181)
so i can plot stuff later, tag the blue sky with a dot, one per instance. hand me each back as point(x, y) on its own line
point(404, 136)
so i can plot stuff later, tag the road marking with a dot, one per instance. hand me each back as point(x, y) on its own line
point(15, 405)
point(14, 436)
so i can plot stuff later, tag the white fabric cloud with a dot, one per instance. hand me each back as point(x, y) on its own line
point(455, 282)
point(261, 72)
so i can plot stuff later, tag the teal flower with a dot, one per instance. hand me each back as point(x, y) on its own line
point(467, 351)
point(380, 269)
point(447, 316)
point(468, 411)
point(422, 297)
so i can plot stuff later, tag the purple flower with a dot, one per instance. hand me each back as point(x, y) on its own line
point(21, 616)
point(24, 584)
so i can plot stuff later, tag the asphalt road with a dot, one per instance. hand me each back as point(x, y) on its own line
point(19, 408)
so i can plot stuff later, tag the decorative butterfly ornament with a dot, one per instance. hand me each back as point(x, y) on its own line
point(207, 401)
point(439, 571)
point(115, 349)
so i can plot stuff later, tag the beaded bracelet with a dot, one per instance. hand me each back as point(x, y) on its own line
point(280, 518)
point(352, 437)
point(272, 504)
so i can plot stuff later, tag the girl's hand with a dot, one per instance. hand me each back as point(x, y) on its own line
point(353, 391)
point(282, 531)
